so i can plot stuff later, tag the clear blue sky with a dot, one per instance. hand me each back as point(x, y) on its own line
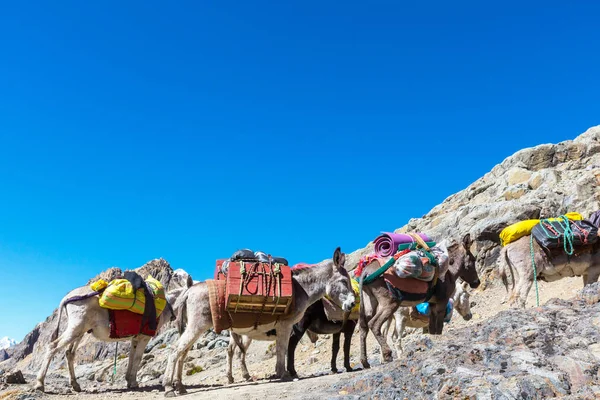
point(136, 130)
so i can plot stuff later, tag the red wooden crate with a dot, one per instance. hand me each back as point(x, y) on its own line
point(261, 291)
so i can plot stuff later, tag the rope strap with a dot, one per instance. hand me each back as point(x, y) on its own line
point(537, 293)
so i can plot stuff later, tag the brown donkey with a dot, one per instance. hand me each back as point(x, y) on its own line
point(377, 304)
point(310, 284)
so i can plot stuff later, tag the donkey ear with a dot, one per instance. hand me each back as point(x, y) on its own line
point(466, 240)
point(337, 254)
point(342, 260)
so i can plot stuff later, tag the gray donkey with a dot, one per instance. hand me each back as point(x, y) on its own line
point(378, 305)
point(516, 268)
point(310, 284)
point(85, 315)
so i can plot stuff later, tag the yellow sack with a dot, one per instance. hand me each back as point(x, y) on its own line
point(573, 216)
point(356, 288)
point(119, 295)
point(98, 285)
point(517, 231)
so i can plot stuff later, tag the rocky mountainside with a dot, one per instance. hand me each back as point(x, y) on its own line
point(28, 354)
point(543, 181)
point(550, 351)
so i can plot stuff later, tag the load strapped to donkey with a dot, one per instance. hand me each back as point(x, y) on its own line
point(568, 237)
point(410, 264)
point(134, 305)
point(250, 289)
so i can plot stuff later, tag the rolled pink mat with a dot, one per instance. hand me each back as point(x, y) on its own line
point(386, 244)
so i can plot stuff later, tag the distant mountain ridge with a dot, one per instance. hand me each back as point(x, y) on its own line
point(7, 342)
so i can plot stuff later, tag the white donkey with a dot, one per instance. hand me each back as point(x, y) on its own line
point(310, 284)
point(462, 304)
point(86, 315)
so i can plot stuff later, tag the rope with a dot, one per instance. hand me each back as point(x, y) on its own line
point(568, 234)
point(537, 292)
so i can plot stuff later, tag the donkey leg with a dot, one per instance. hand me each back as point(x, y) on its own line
point(522, 291)
point(298, 331)
point(243, 350)
point(592, 275)
point(398, 331)
point(363, 326)
point(182, 346)
point(138, 353)
point(283, 338)
point(437, 313)
point(348, 331)
point(335, 349)
point(71, 334)
point(376, 323)
point(131, 362)
point(70, 356)
point(233, 342)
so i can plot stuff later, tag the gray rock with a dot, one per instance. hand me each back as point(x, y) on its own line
point(551, 351)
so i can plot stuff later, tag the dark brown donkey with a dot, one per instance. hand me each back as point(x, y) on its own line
point(377, 304)
point(315, 321)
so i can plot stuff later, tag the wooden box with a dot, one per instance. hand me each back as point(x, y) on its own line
point(261, 288)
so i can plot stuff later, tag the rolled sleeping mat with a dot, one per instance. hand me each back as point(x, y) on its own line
point(386, 244)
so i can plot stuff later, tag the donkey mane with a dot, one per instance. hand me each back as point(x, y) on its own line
point(303, 268)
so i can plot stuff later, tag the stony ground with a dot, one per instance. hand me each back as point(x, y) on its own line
point(312, 363)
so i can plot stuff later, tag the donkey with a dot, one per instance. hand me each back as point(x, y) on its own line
point(315, 321)
point(516, 265)
point(462, 304)
point(377, 304)
point(310, 284)
point(84, 315)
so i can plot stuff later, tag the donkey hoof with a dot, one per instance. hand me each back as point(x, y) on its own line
point(170, 393)
point(76, 387)
point(349, 369)
point(366, 364)
point(246, 377)
point(39, 387)
point(230, 379)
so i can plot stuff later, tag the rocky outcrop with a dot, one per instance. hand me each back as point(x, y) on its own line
point(542, 181)
point(550, 351)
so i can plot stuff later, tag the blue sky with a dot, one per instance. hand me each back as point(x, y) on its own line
point(131, 131)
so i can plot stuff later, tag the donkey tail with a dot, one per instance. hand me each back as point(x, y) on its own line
point(506, 268)
point(181, 307)
point(54, 335)
point(361, 307)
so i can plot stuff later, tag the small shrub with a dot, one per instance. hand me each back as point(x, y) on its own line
point(194, 370)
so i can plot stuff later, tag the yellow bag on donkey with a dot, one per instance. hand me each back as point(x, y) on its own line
point(119, 295)
point(517, 231)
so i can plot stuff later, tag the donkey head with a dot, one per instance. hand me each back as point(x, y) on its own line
point(462, 261)
point(462, 300)
point(339, 288)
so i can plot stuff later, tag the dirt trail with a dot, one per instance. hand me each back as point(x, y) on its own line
point(312, 360)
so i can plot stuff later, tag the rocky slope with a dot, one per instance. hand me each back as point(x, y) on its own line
point(542, 181)
point(550, 351)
